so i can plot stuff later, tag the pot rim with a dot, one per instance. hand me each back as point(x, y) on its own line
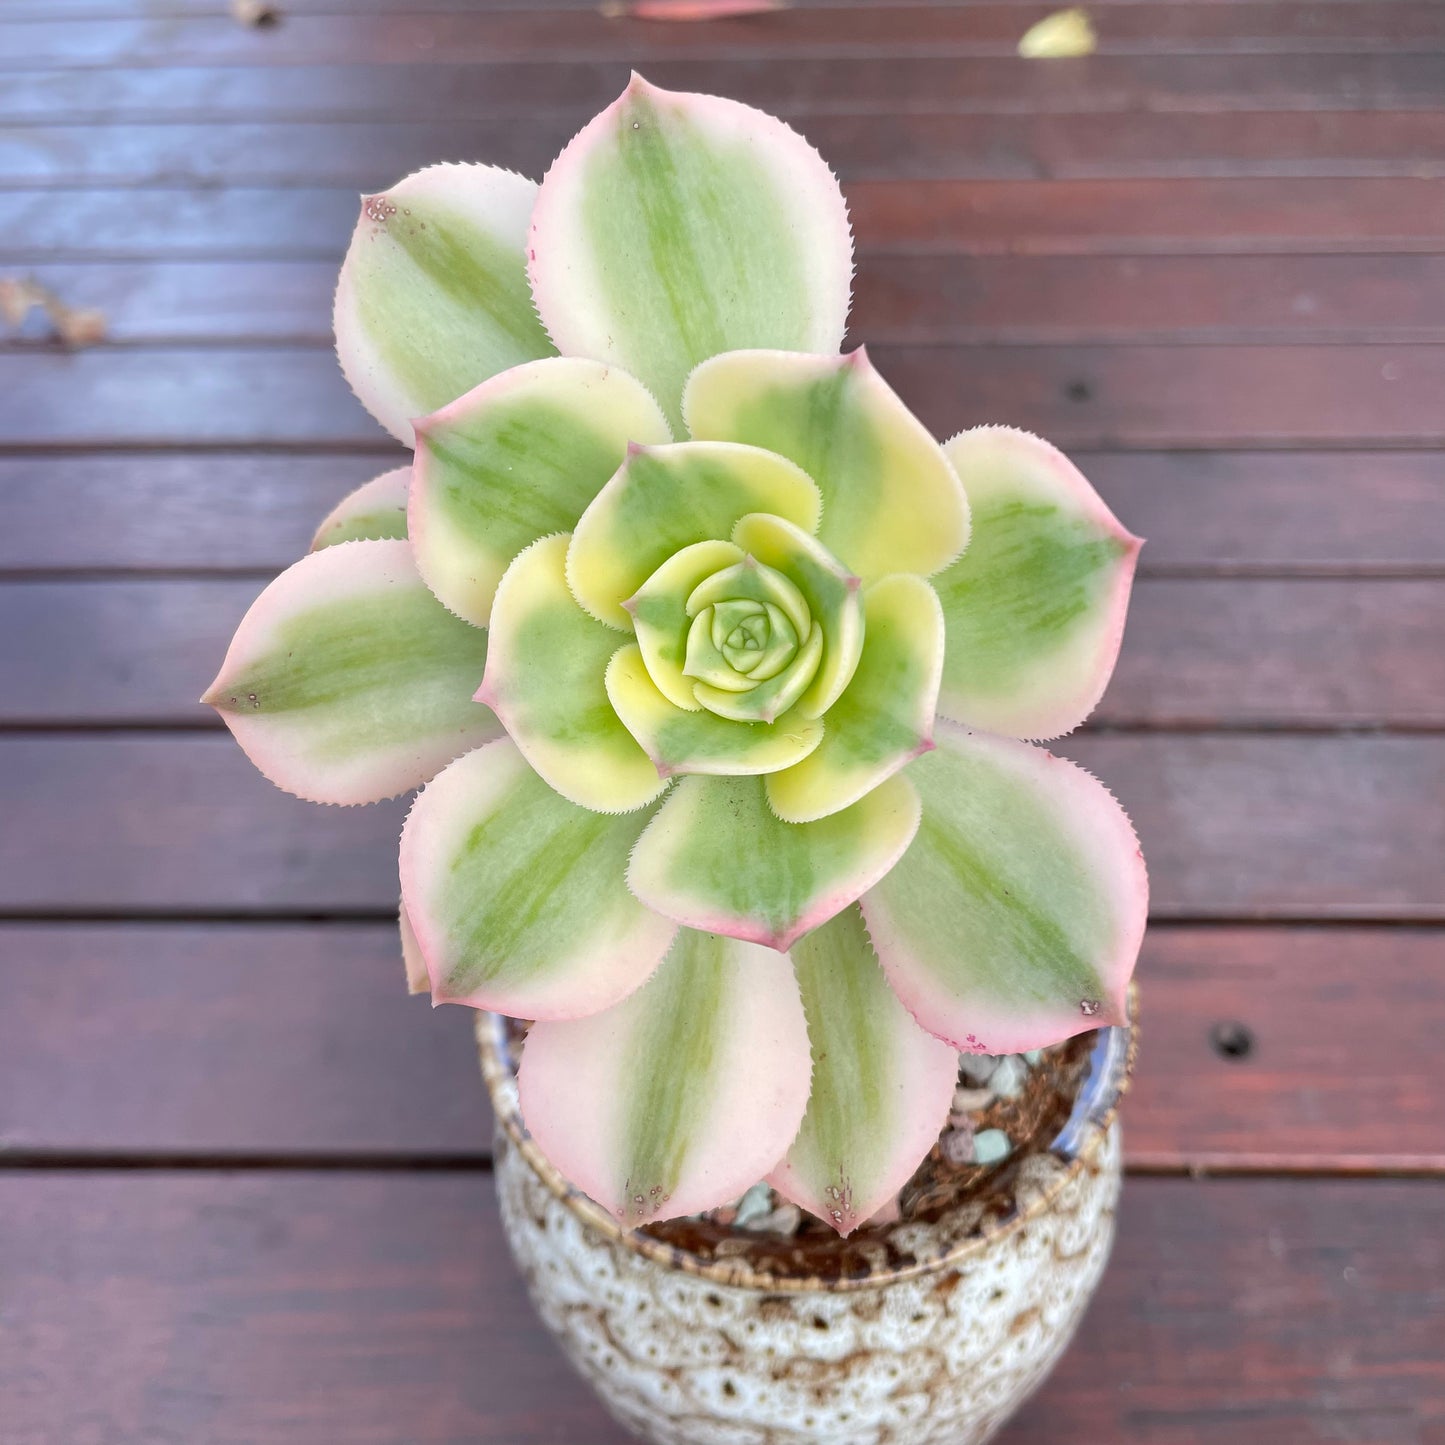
point(1111, 1065)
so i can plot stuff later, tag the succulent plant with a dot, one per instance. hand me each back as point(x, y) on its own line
point(718, 670)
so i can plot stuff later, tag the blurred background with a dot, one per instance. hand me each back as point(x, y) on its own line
point(1198, 243)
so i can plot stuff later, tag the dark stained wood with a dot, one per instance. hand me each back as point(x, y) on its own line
point(1198, 653)
point(296, 1041)
point(916, 218)
point(1234, 827)
point(370, 155)
point(1080, 396)
point(1220, 512)
point(1343, 1070)
point(1210, 259)
point(259, 1039)
point(842, 32)
point(900, 298)
point(370, 1309)
point(795, 86)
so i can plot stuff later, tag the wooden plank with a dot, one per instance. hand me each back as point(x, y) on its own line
point(1118, 396)
point(261, 1040)
point(1235, 827)
point(914, 218)
point(369, 155)
point(848, 31)
point(793, 86)
point(295, 1041)
point(368, 1309)
point(1231, 512)
point(1198, 653)
point(913, 299)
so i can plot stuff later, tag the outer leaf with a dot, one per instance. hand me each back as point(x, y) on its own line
point(882, 1086)
point(677, 226)
point(666, 498)
point(1035, 607)
point(682, 1096)
point(374, 512)
point(1015, 918)
point(660, 616)
point(433, 294)
point(517, 458)
point(517, 896)
point(885, 717)
point(348, 682)
point(701, 742)
point(891, 499)
point(832, 594)
point(418, 980)
point(546, 667)
point(715, 858)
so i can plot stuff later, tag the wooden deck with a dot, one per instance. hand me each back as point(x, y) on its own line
point(244, 1193)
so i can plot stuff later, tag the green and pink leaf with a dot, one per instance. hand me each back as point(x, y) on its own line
point(891, 499)
point(517, 898)
point(884, 719)
point(374, 512)
point(882, 1086)
point(666, 498)
point(716, 858)
point(433, 296)
point(682, 1096)
point(1015, 917)
point(1034, 610)
point(677, 226)
point(546, 680)
point(517, 458)
point(348, 682)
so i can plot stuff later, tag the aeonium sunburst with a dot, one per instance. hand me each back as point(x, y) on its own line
point(718, 670)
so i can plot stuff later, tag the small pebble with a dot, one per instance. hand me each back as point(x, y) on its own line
point(958, 1146)
point(990, 1146)
point(977, 1068)
point(965, 1101)
point(785, 1219)
point(1009, 1078)
point(755, 1205)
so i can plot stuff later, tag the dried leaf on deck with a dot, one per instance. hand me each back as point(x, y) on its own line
point(256, 13)
point(74, 325)
point(1058, 36)
point(688, 9)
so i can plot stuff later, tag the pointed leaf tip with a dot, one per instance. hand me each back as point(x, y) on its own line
point(347, 682)
point(631, 264)
point(433, 295)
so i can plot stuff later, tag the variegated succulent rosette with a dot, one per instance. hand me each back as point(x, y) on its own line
point(742, 812)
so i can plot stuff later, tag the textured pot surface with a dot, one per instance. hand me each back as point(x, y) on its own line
point(937, 1350)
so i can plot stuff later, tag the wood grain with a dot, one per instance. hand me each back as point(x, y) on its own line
point(815, 31)
point(1234, 827)
point(363, 1310)
point(295, 1041)
point(1216, 512)
point(369, 155)
point(929, 300)
point(794, 87)
point(1079, 396)
point(1198, 653)
point(916, 218)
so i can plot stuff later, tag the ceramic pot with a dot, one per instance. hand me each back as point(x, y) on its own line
point(952, 1324)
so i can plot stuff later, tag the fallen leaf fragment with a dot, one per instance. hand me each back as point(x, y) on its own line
point(687, 9)
point(256, 13)
point(74, 325)
point(1060, 35)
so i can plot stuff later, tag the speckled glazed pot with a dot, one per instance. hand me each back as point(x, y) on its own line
point(952, 1326)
